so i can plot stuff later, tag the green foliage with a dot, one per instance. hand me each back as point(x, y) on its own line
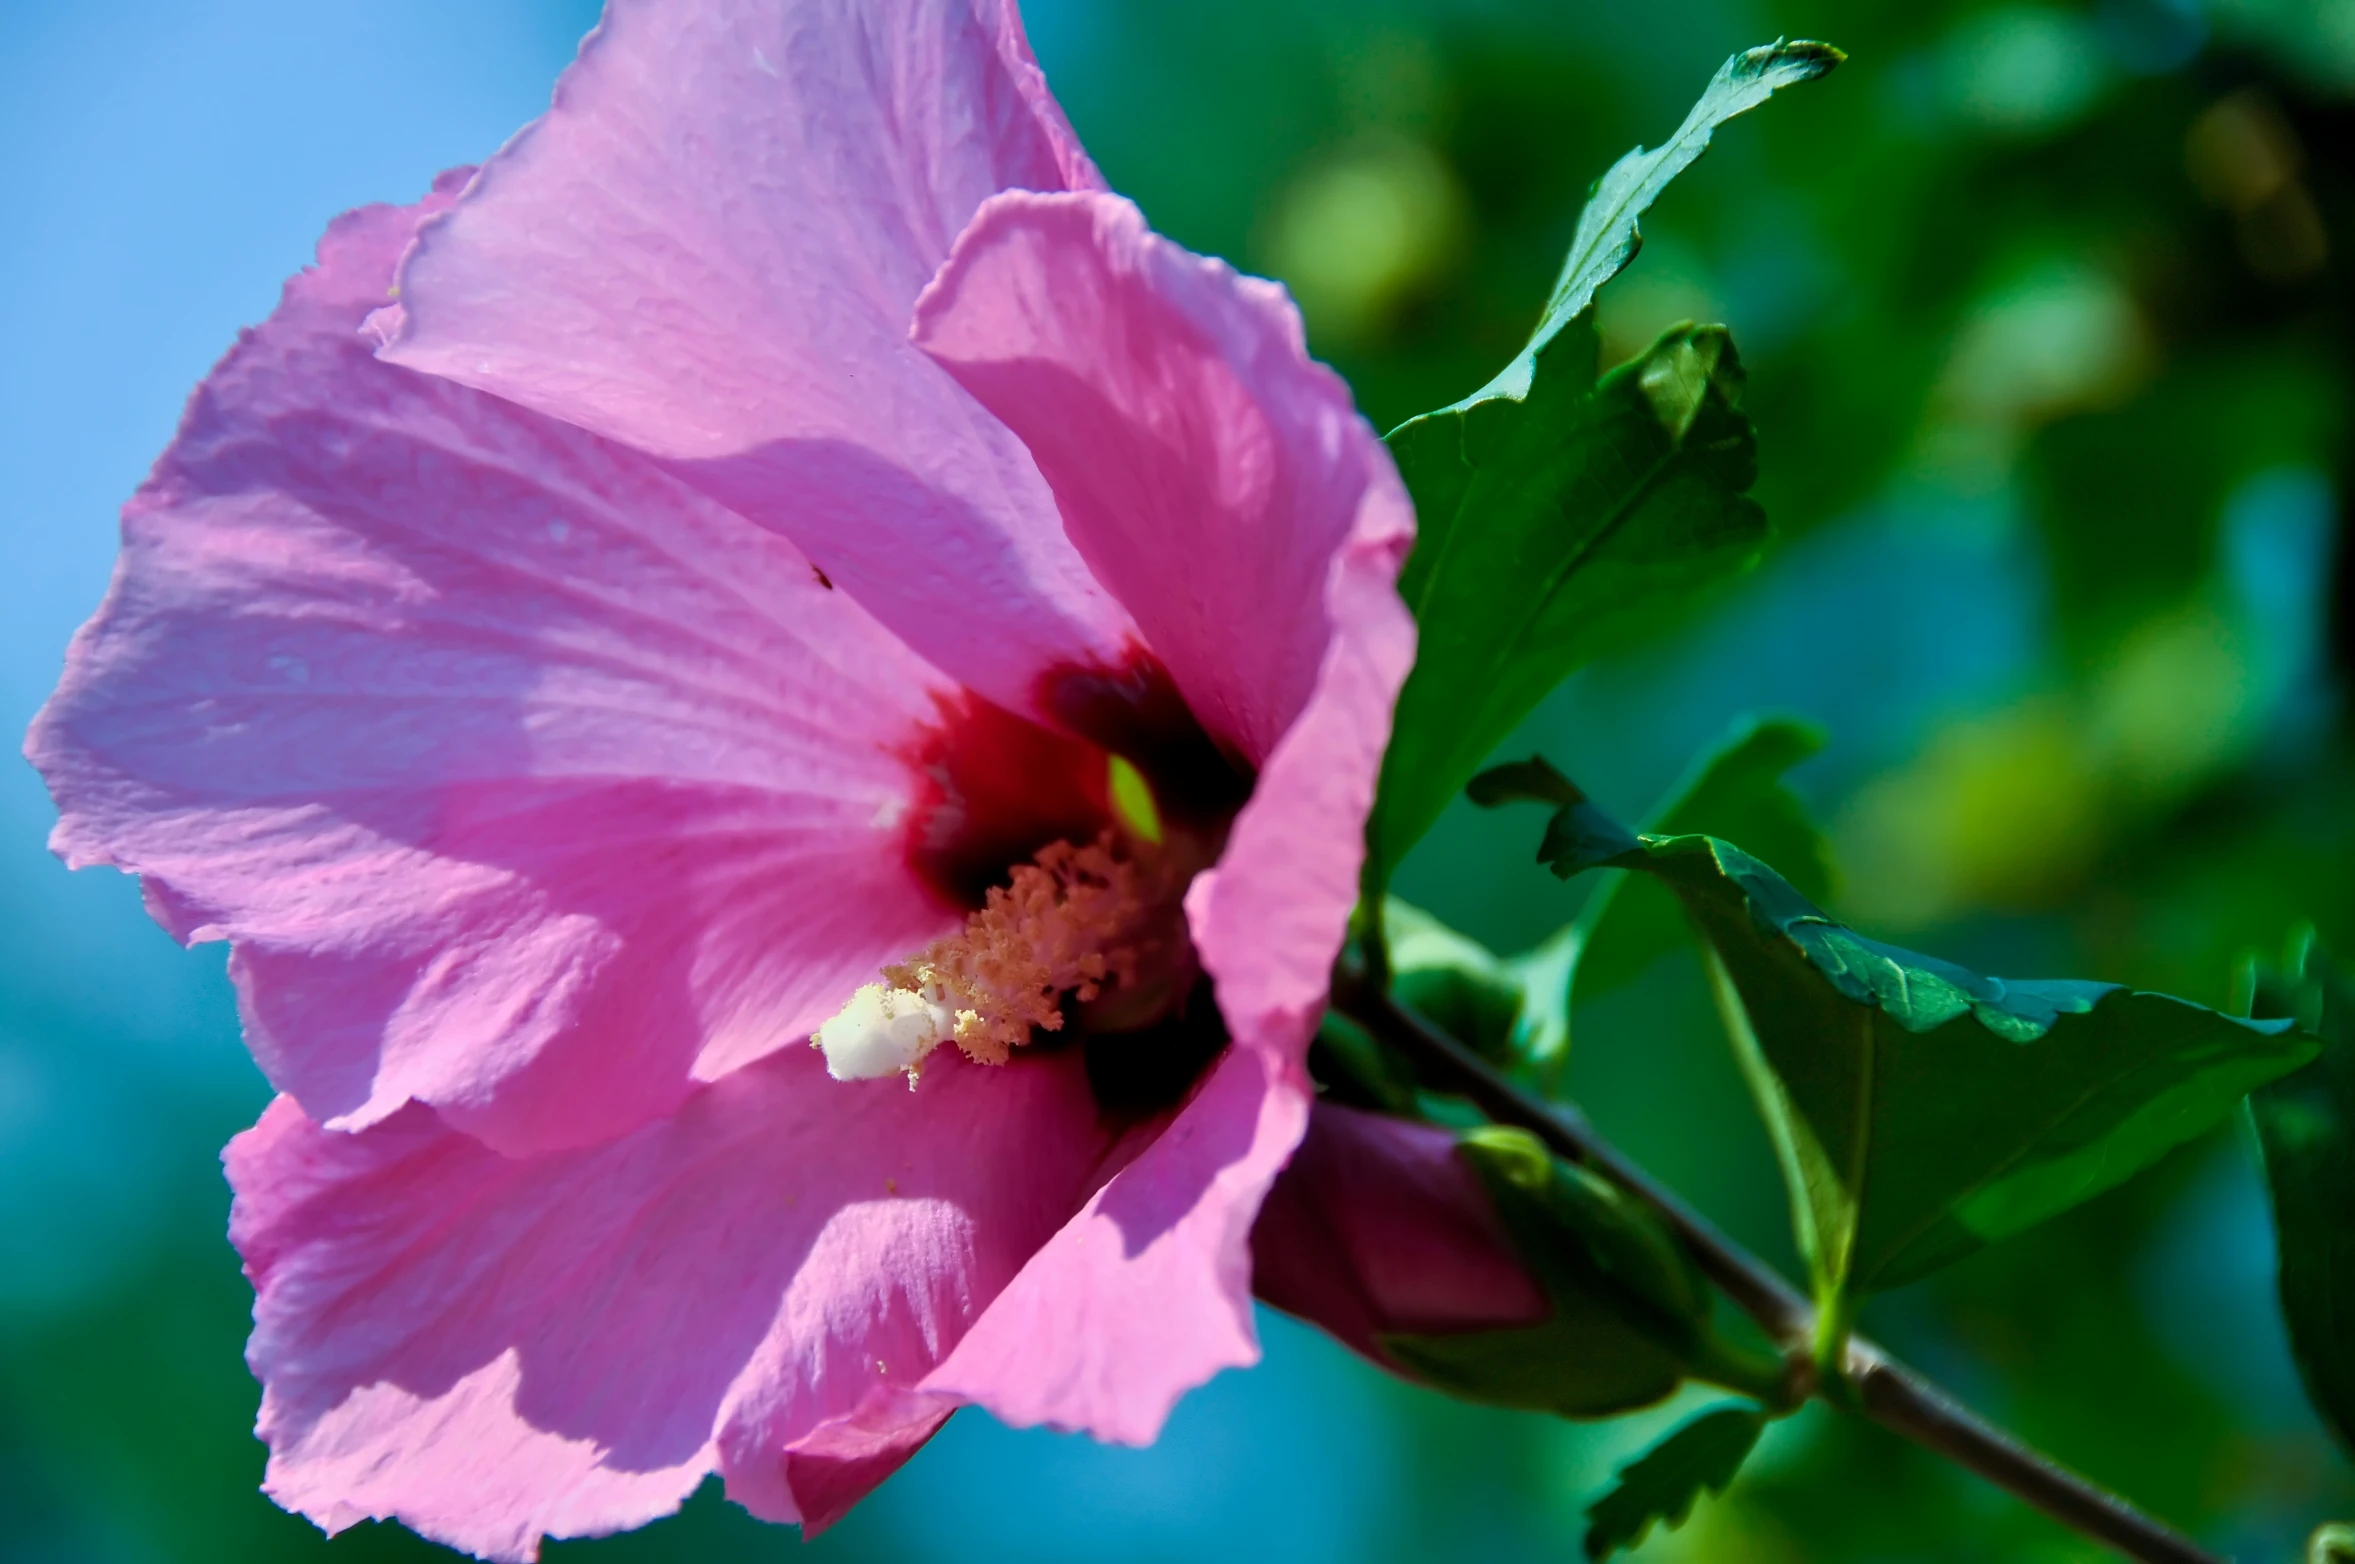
point(2333, 1543)
point(2306, 1123)
point(1663, 1483)
point(1630, 1315)
point(1513, 1011)
point(1920, 1110)
point(1453, 982)
point(1608, 235)
point(1550, 527)
point(1735, 791)
point(2129, 537)
point(1557, 511)
point(1516, 1010)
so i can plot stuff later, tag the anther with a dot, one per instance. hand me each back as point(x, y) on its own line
point(1068, 924)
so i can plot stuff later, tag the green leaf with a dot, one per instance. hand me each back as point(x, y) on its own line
point(1513, 1011)
point(1922, 1110)
point(1630, 1314)
point(1550, 528)
point(1532, 781)
point(1735, 791)
point(2333, 1542)
point(2306, 1124)
point(1454, 982)
point(1663, 1483)
point(1608, 235)
point(1557, 512)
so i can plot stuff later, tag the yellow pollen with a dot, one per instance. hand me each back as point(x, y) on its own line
point(1072, 922)
point(1055, 930)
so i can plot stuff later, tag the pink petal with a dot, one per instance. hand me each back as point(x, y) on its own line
point(708, 249)
point(1136, 370)
point(1269, 919)
point(838, 1463)
point(1377, 1227)
point(1147, 1292)
point(492, 1349)
point(1206, 469)
point(528, 782)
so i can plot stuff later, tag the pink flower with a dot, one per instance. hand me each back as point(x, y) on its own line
point(788, 479)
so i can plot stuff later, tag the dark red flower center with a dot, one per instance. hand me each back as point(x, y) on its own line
point(1069, 853)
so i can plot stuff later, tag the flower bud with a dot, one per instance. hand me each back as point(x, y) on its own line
point(1482, 1265)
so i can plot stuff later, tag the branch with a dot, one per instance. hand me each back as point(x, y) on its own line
point(1886, 1391)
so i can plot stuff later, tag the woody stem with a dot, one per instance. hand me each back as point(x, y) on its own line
point(1877, 1385)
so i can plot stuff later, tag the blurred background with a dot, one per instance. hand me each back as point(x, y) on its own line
point(2046, 309)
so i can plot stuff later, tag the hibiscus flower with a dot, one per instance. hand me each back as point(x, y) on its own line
point(780, 553)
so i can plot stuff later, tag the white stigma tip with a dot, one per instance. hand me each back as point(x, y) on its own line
point(883, 1031)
